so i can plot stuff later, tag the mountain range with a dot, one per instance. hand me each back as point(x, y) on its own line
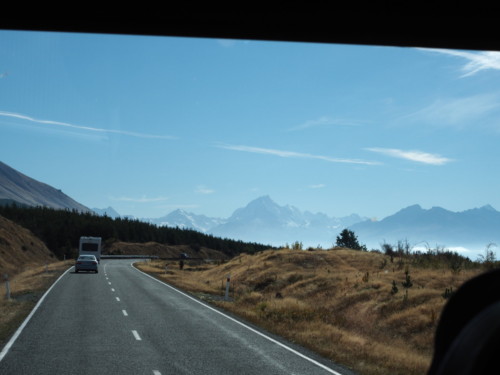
point(264, 221)
point(473, 229)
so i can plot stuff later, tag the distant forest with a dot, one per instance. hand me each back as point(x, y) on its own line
point(61, 230)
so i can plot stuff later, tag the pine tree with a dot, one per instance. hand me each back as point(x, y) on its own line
point(347, 238)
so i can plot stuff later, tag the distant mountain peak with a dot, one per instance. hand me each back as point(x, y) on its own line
point(488, 207)
point(183, 219)
point(410, 210)
point(263, 200)
point(109, 211)
point(413, 207)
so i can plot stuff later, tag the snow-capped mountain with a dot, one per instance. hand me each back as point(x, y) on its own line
point(182, 219)
point(264, 221)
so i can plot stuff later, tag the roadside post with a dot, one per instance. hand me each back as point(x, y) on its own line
point(228, 282)
point(7, 286)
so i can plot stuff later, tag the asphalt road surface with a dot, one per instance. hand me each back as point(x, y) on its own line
point(122, 321)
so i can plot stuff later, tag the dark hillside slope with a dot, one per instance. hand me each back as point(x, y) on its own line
point(15, 186)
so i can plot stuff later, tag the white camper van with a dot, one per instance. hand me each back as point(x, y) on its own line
point(90, 246)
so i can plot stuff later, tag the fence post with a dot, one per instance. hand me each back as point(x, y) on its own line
point(7, 286)
point(228, 281)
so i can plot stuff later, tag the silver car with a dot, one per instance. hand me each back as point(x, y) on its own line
point(86, 263)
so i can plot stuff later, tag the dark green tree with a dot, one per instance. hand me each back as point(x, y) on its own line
point(347, 238)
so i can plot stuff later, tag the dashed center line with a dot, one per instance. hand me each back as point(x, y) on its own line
point(118, 299)
point(156, 372)
point(109, 282)
point(112, 289)
point(124, 312)
point(136, 335)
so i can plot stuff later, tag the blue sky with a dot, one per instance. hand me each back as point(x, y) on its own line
point(147, 125)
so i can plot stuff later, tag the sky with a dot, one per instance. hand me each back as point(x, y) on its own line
point(147, 125)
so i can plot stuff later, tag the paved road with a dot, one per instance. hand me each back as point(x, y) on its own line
point(122, 321)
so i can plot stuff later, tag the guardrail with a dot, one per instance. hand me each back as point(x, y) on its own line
point(129, 257)
point(147, 257)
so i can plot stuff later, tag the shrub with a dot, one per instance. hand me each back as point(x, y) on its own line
point(407, 283)
point(394, 289)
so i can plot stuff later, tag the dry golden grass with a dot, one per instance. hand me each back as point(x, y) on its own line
point(26, 289)
point(337, 302)
point(20, 249)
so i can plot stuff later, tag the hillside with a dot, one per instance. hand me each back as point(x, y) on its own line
point(17, 187)
point(20, 249)
point(339, 303)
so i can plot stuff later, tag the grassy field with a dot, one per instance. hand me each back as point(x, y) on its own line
point(340, 303)
point(26, 289)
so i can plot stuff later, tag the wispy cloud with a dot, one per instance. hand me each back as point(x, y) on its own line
point(143, 199)
point(317, 186)
point(476, 61)
point(324, 121)
point(416, 156)
point(202, 189)
point(52, 123)
point(292, 154)
point(463, 111)
point(227, 42)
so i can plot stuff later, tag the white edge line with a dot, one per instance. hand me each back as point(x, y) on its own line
point(243, 325)
point(21, 327)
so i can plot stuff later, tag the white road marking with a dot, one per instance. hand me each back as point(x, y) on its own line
point(118, 299)
point(156, 372)
point(136, 335)
point(21, 327)
point(243, 325)
point(112, 289)
point(124, 312)
point(109, 282)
